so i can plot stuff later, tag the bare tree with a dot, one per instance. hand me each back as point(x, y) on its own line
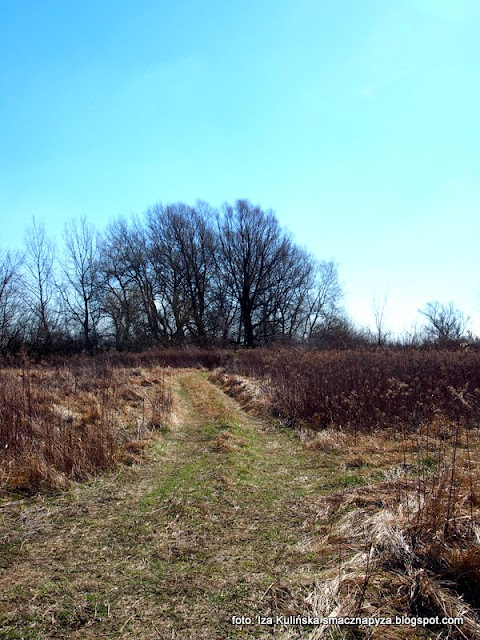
point(183, 248)
point(288, 300)
point(325, 296)
point(282, 292)
point(381, 333)
point(80, 286)
point(12, 317)
point(307, 295)
point(138, 255)
point(445, 322)
point(120, 278)
point(40, 286)
point(172, 253)
point(253, 249)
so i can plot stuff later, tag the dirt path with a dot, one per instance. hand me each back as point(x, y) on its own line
point(221, 522)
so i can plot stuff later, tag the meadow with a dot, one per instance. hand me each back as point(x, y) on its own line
point(375, 451)
point(69, 420)
point(403, 425)
point(367, 389)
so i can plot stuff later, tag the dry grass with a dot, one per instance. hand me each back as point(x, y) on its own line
point(251, 395)
point(402, 521)
point(236, 516)
point(67, 422)
point(227, 441)
point(366, 389)
point(216, 525)
point(406, 542)
point(174, 357)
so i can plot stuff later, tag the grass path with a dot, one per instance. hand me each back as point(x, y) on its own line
point(221, 522)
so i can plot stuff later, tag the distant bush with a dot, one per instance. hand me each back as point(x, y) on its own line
point(183, 357)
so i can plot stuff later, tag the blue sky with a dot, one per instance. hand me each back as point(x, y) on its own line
point(357, 122)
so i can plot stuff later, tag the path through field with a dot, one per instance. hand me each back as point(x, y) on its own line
point(220, 523)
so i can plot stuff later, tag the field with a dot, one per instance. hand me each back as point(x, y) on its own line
point(161, 495)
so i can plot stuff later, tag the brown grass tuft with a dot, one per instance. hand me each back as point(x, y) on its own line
point(328, 440)
point(226, 441)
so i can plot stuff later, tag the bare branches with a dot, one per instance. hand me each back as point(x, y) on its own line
point(378, 308)
point(180, 274)
point(12, 319)
point(445, 322)
point(40, 286)
point(280, 291)
point(80, 286)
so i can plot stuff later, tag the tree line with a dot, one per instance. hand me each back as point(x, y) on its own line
point(183, 274)
point(177, 275)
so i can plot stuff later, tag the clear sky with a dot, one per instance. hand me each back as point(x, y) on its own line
point(356, 121)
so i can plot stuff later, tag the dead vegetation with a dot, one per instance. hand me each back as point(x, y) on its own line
point(213, 526)
point(402, 508)
point(365, 389)
point(407, 543)
point(69, 421)
point(242, 516)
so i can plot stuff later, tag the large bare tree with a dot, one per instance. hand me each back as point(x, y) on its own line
point(12, 316)
point(80, 285)
point(126, 293)
point(40, 286)
point(182, 250)
point(252, 256)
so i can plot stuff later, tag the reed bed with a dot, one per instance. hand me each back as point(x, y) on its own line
point(69, 421)
point(400, 431)
point(367, 389)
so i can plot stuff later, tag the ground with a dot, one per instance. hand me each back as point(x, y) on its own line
point(225, 515)
point(218, 523)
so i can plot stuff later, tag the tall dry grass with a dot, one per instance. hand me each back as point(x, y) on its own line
point(409, 545)
point(407, 538)
point(367, 389)
point(68, 421)
point(175, 357)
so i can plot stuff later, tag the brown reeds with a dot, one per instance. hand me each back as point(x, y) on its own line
point(69, 421)
point(367, 389)
point(408, 539)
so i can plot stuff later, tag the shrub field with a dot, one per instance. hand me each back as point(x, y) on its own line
point(367, 389)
